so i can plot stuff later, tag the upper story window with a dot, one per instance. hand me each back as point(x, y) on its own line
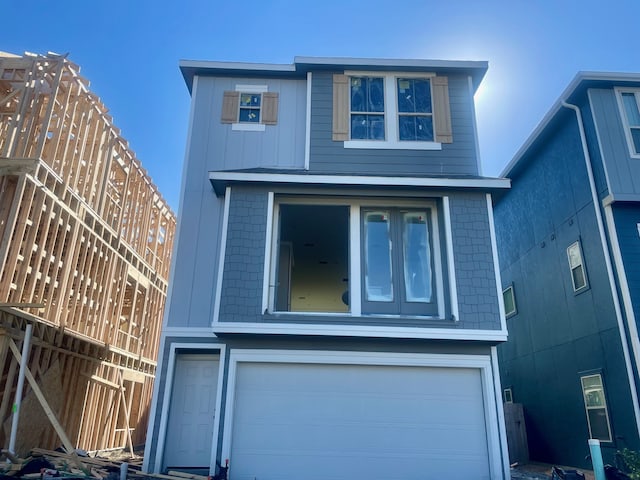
point(357, 256)
point(578, 274)
point(250, 108)
point(629, 102)
point(391, 111)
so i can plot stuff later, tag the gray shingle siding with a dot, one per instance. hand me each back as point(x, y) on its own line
point(475, 272)
point(459, 157)
point(241, 298)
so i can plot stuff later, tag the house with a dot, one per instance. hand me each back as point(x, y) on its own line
point(569, 245)
point(334, 306)
point(85, 249)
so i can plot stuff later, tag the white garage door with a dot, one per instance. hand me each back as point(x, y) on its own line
point(317, 421)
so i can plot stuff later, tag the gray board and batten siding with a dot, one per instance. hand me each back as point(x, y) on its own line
point(280, 146)
point(457, 158)
point(242, 282)
point(623, 172)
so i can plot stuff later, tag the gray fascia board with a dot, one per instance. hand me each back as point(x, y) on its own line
point(302, 65)
point(580, 81)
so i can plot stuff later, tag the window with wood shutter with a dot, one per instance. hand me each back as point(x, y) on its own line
point(250, 108)
point(391, 111)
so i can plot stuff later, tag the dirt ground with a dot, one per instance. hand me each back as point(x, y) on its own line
point(541, 471)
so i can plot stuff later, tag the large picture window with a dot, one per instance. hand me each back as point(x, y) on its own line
point(399, 267)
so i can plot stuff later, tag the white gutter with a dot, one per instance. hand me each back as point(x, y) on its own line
point(610, 274)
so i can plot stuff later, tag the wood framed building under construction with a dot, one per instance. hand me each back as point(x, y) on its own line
point(85, 250)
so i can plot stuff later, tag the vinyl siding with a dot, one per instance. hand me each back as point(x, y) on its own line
point(627, 218)
point(457, 158)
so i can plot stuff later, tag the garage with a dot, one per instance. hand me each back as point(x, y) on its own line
point(357, 421)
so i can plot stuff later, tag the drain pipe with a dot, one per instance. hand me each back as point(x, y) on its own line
point(607, 259)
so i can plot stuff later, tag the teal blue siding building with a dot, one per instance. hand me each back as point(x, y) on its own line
point(569, 242)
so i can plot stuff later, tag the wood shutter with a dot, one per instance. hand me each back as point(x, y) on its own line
point(230, 105)
point(270, 108)
point(340, 108)
point(442, 110)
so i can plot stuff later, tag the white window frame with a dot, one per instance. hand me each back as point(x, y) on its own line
point(507, 395)
point(440, 250)
point(391, 114)
point(625, 121)
point(603, 407)
point(573, 267)
point(510, 313)
point(248, 126)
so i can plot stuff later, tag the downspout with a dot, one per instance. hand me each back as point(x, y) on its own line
point(607, 259)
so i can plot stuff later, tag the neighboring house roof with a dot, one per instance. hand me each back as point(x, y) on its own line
point(578, 86)
point(302, 65)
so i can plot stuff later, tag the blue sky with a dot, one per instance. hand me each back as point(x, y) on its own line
point(130, 50)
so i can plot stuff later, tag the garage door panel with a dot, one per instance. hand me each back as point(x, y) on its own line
point(354, 421)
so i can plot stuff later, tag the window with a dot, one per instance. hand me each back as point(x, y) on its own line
point(507, 395)
point(353, 257)
point(629, 102)
point(509, 299)
point(596, 407)
point(250, 107)
point(397, 261)
point(392, 111)
point(578, 275)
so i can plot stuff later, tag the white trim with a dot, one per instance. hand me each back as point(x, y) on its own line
point(623, 117)
point(248, 127)
point(355, 282)
point(164, 416)
point(371, 331)
point(496, 263)
point(622, 282)
point(504, 449)
point(223, 250)
point(474, 120)
point(286, 178)
point(610, 274)
point(252, 88)
point(189, 332)
point(268, 245)
point(495, 443)
point(392, 145)
point(307, 133)
point(451, 266)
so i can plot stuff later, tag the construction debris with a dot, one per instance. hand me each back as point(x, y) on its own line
point(48, 464)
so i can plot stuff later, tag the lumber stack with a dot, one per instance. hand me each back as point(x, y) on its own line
point(85, 252)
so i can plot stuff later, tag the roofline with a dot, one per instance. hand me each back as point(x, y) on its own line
point(579, 79)
point(302, 65)
point(220, 179)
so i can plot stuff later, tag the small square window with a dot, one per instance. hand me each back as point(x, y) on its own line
point(596, 406)
point(250, 107)
point(507, 395)
point(578, 274)
point(509, 299)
